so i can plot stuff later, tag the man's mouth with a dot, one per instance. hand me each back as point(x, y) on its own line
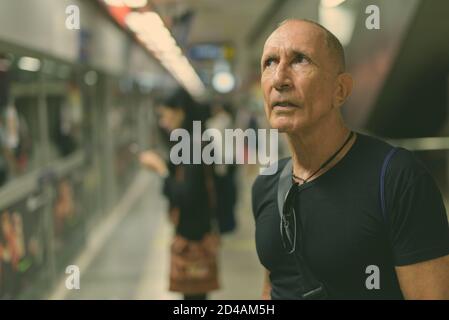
point(283, 104)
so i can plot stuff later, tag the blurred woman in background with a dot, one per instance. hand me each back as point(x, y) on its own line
point(225, 172)
point(191, 195)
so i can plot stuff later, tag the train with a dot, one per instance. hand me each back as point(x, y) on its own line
point(75, 109)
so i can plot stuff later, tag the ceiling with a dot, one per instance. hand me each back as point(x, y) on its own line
point(217, 20)
point(383, 62)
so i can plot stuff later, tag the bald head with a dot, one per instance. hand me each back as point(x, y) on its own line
point(336, 51)
point(302, 76)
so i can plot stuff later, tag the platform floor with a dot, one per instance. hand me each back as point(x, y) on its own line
point(132, 261)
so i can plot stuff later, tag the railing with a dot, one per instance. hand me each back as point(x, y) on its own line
point(422, 144)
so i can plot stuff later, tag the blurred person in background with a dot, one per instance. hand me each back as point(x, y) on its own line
point(224, 174)
point(190, 191)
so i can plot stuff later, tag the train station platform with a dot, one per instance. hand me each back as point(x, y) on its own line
point(127, 256)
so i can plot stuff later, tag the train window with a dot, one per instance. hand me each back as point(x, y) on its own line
point(19, 127)
point(65, 112)
point(124, 129)
point(92, 202)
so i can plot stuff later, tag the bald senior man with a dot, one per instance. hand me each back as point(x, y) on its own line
point(347, 216)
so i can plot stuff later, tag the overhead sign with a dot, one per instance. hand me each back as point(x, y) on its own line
point(210, 51)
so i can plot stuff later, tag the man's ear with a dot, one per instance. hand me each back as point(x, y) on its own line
point(343, 89)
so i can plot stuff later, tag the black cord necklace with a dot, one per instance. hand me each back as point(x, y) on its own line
point(327, 161)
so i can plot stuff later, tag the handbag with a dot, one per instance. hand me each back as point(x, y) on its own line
point(193, 265)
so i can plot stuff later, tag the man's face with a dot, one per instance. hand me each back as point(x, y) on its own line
point(298, 76)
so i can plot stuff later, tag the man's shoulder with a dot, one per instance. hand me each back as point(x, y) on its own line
point(373, 145)
point(405, 167)
point(404, 162)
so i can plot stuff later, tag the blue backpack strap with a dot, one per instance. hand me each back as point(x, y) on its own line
point(382, 181)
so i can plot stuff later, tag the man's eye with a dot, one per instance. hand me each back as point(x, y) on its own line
point(300, 58)
point(268, 62)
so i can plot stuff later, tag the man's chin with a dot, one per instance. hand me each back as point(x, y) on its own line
point(282, 126)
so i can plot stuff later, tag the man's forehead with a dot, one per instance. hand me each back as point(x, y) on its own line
point(294, 34)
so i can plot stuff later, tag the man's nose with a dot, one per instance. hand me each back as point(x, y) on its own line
point(282, 80)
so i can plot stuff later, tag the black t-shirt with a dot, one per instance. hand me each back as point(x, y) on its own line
point(343, 229)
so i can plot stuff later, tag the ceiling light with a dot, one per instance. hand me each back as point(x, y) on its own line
point(134, 21)
point(29, 64)
point(114, 3)
point(340, 21)
point(151, 31)
point(223, 82)
point(331, 3)
point(135, 3)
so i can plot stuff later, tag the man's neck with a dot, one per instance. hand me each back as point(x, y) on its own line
point(312, 147)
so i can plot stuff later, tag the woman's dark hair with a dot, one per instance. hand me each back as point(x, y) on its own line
point(181, 99)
